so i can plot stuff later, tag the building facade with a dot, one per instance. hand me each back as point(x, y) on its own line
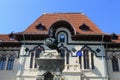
point(60, 46)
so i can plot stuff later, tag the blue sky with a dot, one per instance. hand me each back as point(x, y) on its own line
point(17, 15)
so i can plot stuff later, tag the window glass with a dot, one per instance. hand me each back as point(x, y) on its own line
point(86, 59)
point(34, 54)
point(67, 58)
point(31, 59)
point(115, 65)
point(12, 38)
point(62, 53)
point(92, 60)
point(40, 28)
point(37, 54)
point(2, 62)
point(84, 28)
point(10, 63)
point(62, 38)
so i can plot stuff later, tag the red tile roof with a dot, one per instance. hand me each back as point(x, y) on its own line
point(75, 19)
point(6, 38)
point(117, 40)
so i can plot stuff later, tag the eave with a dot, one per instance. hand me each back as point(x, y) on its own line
point(31, 36)
point(10, 44)
point(92, 37)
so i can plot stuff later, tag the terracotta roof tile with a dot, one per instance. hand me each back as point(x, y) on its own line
point(47, 20)
point(6, 38)
point(118, 40)
point(75, 19)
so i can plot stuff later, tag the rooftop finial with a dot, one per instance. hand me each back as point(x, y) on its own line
point(81, 11)
point(45, 13)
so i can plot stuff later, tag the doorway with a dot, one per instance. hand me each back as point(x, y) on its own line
point(48, 76)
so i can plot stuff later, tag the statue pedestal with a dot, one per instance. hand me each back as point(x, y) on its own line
point(50, 63)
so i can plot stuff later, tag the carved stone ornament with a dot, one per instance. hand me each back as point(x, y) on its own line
point(117, 55)
point(8, 53)
point(50, 54)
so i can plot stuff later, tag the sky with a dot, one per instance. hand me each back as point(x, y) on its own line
point(17, 15)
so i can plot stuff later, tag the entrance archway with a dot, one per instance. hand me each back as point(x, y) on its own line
point(48, 76)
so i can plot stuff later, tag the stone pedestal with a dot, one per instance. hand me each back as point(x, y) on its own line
point(50, 64)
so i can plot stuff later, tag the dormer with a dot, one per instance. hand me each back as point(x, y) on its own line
point(40, 27)
point(84, 28)
point(114, 36)
point(11, 36)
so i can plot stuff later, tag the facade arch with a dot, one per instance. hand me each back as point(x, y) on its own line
point(59, 24)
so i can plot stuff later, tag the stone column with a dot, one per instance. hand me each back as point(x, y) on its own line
point(90, 66)
point(82, 61)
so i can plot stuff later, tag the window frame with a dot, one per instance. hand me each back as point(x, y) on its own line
point(64, 34)
point(62, 38)
point(115, 64)
point(66, 54)
point(10, 62)
point(34, 55)
point(38, 51)
point(3, 61)
point(86, 59)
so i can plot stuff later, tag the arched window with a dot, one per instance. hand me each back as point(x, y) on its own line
point(37, 55)
point(79, 54)
point(67, 58)
point(2, 62)
point(62, 52)
point(86, 59)
point(10, 63)
point(115, 64)
point(92, 60)
point(31, 59)
point(62, 38)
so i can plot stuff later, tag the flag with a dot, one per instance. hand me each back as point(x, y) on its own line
point(79, 53)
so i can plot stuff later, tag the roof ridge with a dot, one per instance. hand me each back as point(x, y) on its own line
point(65, 13)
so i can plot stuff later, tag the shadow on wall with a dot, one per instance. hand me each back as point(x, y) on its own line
point(95, 71)
point(19, 66)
